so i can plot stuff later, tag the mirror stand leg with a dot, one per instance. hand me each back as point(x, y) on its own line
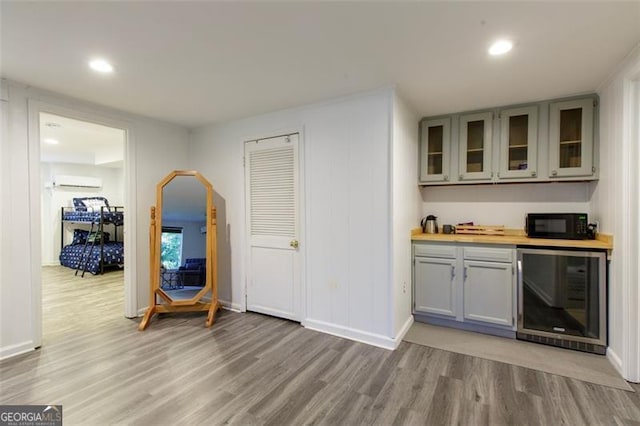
point(147, 318)
point(215, 307)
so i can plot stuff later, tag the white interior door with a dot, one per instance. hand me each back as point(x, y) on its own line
point(272, 191)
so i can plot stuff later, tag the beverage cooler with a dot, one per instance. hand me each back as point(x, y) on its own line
point(562, 298)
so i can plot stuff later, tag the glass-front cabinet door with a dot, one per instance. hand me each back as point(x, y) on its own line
point(435, 144)
point(571, 138)
point(476, 133)
point(518, 143)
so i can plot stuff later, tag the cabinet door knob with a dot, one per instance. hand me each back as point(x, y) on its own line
point(460, 177)
point(446, 177)
point(534, 174)
point(554, 173)
point(294, 244)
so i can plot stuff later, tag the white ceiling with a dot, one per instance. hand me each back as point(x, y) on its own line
point(80, 142)
point(195, 63)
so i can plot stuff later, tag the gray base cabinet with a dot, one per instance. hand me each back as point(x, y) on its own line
point(438, 296)
point(488, 292)
point(465, 283)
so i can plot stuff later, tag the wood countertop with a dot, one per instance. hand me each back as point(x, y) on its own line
point(515, 237)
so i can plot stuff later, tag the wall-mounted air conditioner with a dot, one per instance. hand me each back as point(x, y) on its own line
point(63, 181)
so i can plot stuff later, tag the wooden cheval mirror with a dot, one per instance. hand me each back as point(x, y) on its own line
point(183, 266)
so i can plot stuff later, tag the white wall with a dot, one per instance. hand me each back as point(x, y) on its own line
point(157, 149)
point(406, 208)
point(55, 198)
point(346, 145)
point(4, 209)
point(616, 200)
point(160, 149)
point(505, 204)
point(16, 320)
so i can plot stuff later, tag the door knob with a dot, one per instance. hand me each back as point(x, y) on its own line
point(294, 244)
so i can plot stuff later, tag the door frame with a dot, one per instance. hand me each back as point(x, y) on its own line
point(628, 361)
point(35, 107)
point(302, 215)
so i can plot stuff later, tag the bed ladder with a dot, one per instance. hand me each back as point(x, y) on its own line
point(88, 244)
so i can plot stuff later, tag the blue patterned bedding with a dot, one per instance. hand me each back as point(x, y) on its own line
point(113, 255)
point(116, 217)
point(91, 209)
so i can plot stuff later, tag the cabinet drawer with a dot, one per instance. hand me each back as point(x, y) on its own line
point(489, 254)
point(435, 250)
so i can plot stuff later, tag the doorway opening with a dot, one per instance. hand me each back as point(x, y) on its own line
point(82, 211)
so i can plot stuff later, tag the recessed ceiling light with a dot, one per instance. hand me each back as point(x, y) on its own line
point(500, 47)
point(101, 65)
point(51, 141)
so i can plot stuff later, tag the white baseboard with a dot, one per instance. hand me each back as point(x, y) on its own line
point(405, 328)
point(17, 349)
point(235, 307)
point(615, 360)
point(352, 334)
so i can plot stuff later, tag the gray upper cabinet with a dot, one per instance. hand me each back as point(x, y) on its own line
point(435, 150)
point(518, 143)
point(475, 140)
point(571, 138)
point(553, 140)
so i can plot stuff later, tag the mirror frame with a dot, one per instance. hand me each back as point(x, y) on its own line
point(158, 238)
point(167, 304)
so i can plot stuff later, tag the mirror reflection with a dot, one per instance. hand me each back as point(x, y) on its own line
point(183, 237)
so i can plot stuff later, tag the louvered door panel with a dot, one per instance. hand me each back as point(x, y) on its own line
point(272, 192)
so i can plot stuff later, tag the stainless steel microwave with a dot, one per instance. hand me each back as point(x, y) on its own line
point(569, 226)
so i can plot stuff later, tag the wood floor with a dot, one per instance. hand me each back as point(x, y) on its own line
point(253, 369)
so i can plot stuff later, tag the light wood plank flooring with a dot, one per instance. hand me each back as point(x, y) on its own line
point(253, 369)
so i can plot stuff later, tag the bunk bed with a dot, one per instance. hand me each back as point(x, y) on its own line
point(94, 249)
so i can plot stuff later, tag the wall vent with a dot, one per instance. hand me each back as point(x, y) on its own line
point(563, 343)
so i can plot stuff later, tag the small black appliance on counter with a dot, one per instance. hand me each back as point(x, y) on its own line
point(568, 226)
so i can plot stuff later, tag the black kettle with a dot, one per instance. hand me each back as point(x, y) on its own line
point(429, 225)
